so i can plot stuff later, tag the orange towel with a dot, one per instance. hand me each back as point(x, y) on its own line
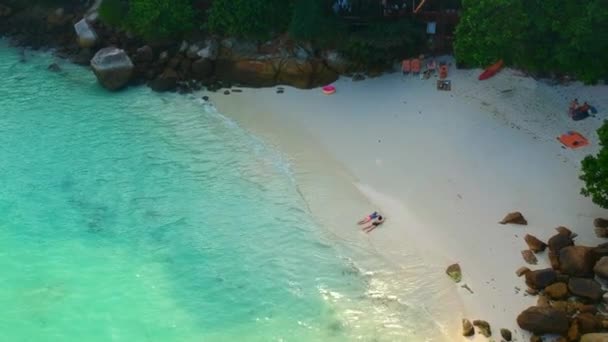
point(573, 140)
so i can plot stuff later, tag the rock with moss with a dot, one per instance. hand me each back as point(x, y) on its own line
point(454, 272)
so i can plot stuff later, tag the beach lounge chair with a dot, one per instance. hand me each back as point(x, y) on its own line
point(406, 66)
point(415, 66)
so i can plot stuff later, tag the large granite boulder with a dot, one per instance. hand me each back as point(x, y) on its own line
point(166, 81)
point(588, 323)
point(601, 268)
point(87, 37)
point(585, 288)
point(112, 67)
point(559, 241)
point(595, 337)
point(144, 54)
point(543, 320)
point(576, 261)
point(248, 72)
point(600, 223)
point(337, 62)
point(540, 279)
point(210, 51)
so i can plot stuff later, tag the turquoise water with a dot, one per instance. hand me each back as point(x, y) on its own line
point(143, 217)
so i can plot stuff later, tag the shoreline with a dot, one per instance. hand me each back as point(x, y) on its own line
point(453, 162)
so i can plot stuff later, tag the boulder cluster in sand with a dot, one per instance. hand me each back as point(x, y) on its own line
point(571, 299)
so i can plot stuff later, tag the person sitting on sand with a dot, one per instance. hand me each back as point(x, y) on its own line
point(584, 108)
point(368, 218)
point(378, 221)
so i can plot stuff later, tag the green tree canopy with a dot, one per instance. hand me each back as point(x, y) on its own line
point(564, 36)
point(256, 19)
point(595, 171)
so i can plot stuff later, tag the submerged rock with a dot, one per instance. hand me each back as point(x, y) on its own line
point(467, 328)
point(483, 327)
point(454, 272)
point(112, 67)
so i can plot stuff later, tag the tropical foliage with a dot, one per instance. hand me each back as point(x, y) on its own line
point(563, 36)
point(250, 18)
point(595, 171)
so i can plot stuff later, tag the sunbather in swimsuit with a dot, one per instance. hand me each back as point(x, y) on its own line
point(368, 218)
point(374, 224)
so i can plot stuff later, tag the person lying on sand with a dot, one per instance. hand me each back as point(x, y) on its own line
point(368, 218)
point(378, 221)
point(573, 107)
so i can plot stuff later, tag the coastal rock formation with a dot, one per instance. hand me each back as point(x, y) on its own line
point(574, 332)
point(467, 328)
point(483, 327)
point(54, 67)
point(540, 279)
point(112, 67)
point(166, 81)
point(454, 272)
point(559, 241)
point(585, 288)
point(601, 232)
point(557, 291)
point(553, 260)
point(595, 337)
point(87, 37)
point(5, 11)
point(514, 218)
point(601, 268)
point(144, 54)
point(543, 320)
point(529, 257)
point(506, 334)
point(587, 323)
point(202, 68)
point(534, 243)
point(576, 261)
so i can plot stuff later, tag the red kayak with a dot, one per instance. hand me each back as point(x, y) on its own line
point(491, 70)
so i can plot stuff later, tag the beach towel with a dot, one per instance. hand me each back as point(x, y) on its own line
point(573, 140)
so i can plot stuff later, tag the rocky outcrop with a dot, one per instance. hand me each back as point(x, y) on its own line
point(576, 261)
point(543, 320)
point(514, 218)
point(202, 68)
point(112, 67)
point(585, 288)
point(483, 327)
point(540, 279)
point(454, 272)
point(587, 323)
point(557, 291)
point(559, 241)
point(534, 243)
point(166, 81)
point(467, 328)
point(87, 37)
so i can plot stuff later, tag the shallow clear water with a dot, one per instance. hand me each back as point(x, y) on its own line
point(137, 216)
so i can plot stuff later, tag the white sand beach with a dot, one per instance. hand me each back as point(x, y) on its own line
point(445, 167)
